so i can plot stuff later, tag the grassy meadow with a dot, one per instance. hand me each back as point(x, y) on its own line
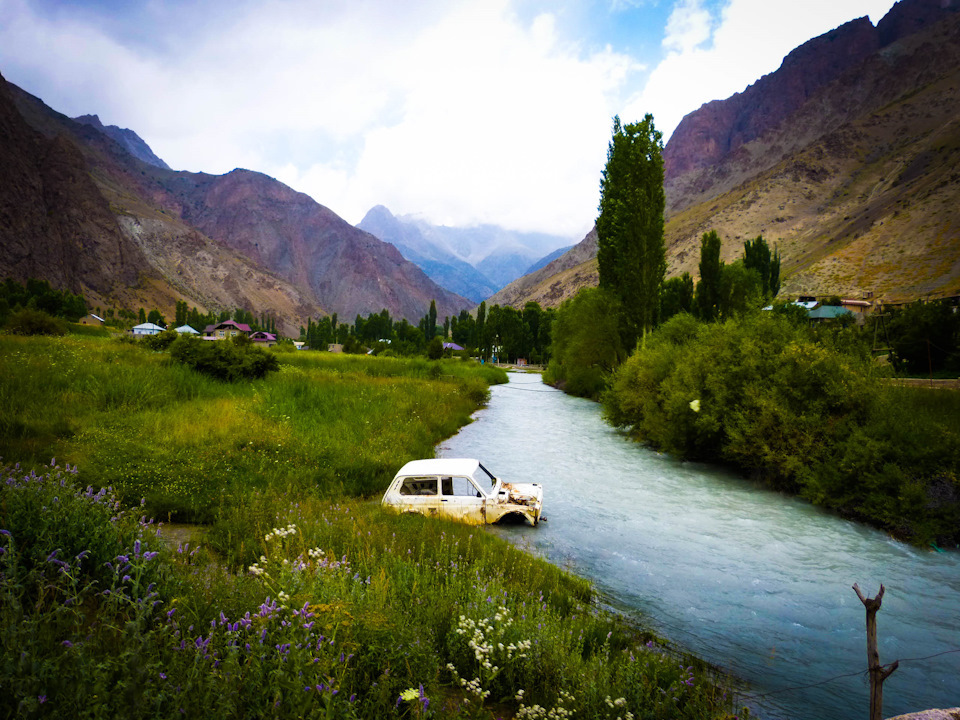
point(303, 598)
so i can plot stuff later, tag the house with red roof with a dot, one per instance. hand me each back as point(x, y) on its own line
point(264, 338)
point(226, 329)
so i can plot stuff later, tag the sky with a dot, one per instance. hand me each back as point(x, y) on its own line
point(461, 112)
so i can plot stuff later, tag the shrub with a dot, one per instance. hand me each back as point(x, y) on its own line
point(802, 411)
point(160, 341)
point(28, 321)
point(224, 360)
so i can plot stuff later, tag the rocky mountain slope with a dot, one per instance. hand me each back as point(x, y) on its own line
point(133, 233)
point(128, 139)
point(845, 158)
point(555, 281)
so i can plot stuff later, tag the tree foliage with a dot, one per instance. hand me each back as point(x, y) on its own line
point(586, 343)
point(925, 338)
point(630, 250)
point(227, 360)
point(785, 405)
point(757, 256)
point(39, 295)
point(676, 296)
point(711, 273)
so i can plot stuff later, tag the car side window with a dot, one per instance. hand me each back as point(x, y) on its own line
point(462, 487)
point(419, 486)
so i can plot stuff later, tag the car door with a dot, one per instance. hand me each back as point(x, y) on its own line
point(461, 500)
point(419, 494)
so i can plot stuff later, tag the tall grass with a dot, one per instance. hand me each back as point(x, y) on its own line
point(345, 612)
point(326, 425)
point(307, 600)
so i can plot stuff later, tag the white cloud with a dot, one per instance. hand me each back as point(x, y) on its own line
point(495, 122)
point(458, 111)
point(688, 27)
point(749, 39)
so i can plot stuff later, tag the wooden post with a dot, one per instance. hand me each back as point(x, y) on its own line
point(877, 673)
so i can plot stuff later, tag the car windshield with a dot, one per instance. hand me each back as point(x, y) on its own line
point(484, 478)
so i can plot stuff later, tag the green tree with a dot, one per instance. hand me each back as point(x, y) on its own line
point(479, 333)
point(740, 290)
point(711, 277)
point(757, 256)
point(431, 328)
point(586, 342)
point(180, 314)
point(676, 296)
point(156, 318)
point(630, 251)
point(435, 348)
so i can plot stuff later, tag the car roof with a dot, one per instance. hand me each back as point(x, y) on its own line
point(440, 466)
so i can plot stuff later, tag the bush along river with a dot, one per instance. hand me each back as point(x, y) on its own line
point(753, 581)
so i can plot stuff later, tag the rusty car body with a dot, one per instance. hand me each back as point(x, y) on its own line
point(462, 489)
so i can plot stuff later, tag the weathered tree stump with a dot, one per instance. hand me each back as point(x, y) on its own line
point(877, 672)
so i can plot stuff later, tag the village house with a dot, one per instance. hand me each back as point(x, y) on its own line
point(91, 319)
point(264, 338)
point(226, 329)
point(147, 329)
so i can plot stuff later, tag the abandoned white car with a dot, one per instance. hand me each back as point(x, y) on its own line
point(464, 490)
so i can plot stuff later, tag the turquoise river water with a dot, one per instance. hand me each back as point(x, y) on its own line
point(750, 580)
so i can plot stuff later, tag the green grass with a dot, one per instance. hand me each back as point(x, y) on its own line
point(336, 615)
point(131, 419)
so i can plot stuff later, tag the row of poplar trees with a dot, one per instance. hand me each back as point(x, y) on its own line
point(631, 255)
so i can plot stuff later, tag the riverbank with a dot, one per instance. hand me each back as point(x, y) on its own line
point(805, 414)
point(305, 598)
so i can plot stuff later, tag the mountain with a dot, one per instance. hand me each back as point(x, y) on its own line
point(557, 280)
point(442, 266)
point(496, 255)
point(547, 259)
point(844, 158)
point(86, 214)
point(128, 139)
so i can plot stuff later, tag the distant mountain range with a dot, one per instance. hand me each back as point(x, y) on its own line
point(92, 209)
point(846, 158)
point(474, 262)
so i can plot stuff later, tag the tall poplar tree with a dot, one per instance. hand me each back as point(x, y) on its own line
point(711, 274)
point(630, 252)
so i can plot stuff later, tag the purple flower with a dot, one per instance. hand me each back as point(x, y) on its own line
point(67, 643)
point(5, 532)
point(42, 699)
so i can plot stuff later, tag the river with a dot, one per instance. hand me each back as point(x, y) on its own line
point(750, 580)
